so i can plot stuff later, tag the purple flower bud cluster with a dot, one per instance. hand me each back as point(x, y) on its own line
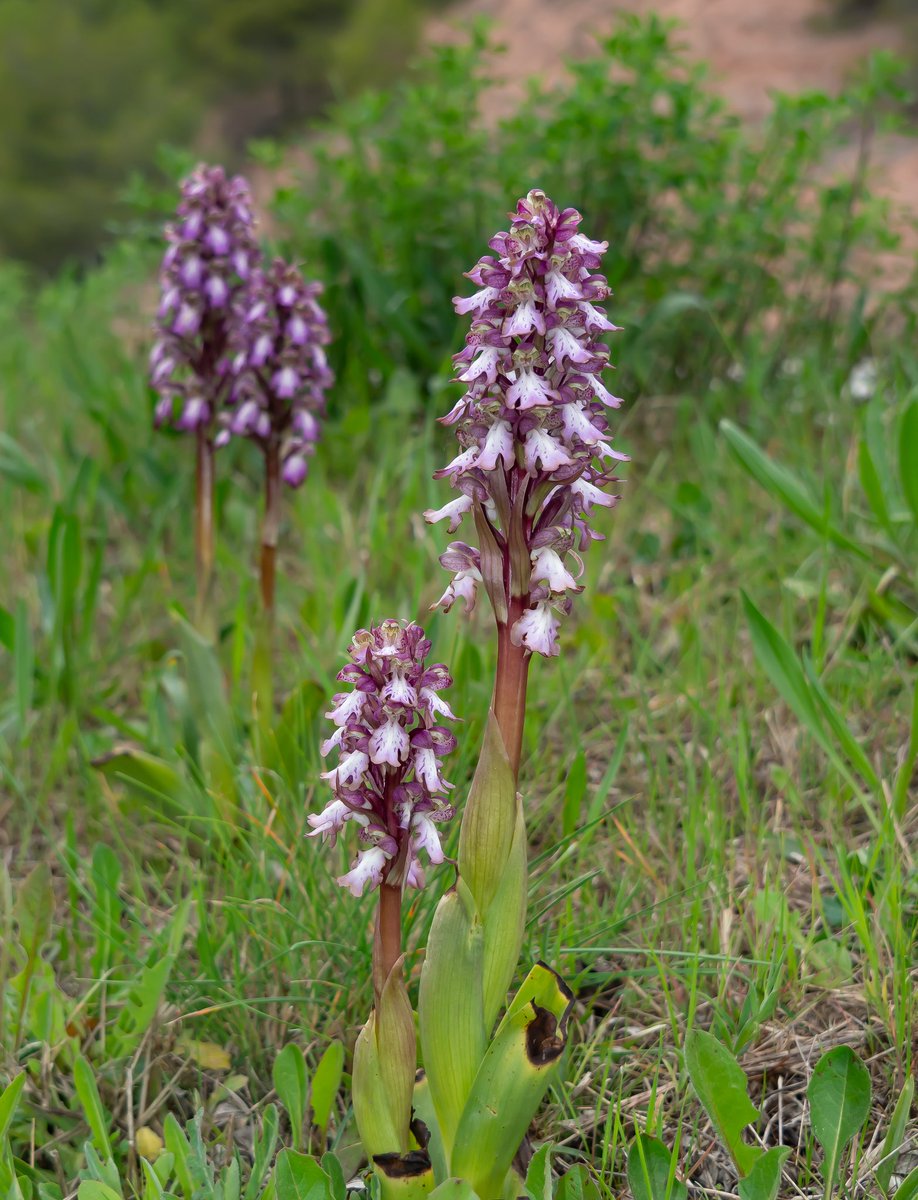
point(388, 779)
point(535, 455)
point(211, 255)
point(280, 367)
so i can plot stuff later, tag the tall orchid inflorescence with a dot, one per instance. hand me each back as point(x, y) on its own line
point(389, 782)
point(390, 740)
point(210, 258)
point(535, 457)
point(281, 368)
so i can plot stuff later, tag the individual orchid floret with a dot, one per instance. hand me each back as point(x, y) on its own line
point(280, 368)
point(388, 779)
point(209, 261)
point(534, 454)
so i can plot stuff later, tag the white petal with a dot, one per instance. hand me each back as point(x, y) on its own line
point(559, 287)
point(389, 744)
point(565, 345)
point(498, 445)
point(349, 707)
point(427, 769)
point(436, 704)
point(330, 820)
point(368, 869)
point(537, 630)
point(576, 423)
point(590, 494)
point(455, 510)
point(426, 837)
point(348, 771)
point(601, 392)
point(548, 566)
point(529, 390)
point(399, 690)
point(331, 742)
point(542, 447)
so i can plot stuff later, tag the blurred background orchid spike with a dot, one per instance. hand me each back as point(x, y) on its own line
point(281, 374)
point(207, 268)
point(535, 456)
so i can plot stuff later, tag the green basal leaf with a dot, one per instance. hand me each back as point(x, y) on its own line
point(489, 819)
point(784, 486)
point(450, 1008)
point(9, 1101)
point(454, 1189)
point(652, 1171)
point(88, 1094)
point(505, 922)
point(839, 1095)
point(424, 1112)
point(325, 1083)
point(721, 1086)
point(151, 777)
point(299, 1177)
point(385, 1061)
point(290, 1083)
point(764, 1180)
point(512, 1080)
point(538, 1176)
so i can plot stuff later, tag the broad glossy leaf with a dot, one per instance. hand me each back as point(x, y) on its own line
point(325, 1083)
point(651, 1171)
point(290, 1083)
point(839, 1095)
point(764, 1180)
point(299, 1177)
point(721, 1086)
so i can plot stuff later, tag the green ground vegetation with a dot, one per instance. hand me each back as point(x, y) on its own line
point(719, 768)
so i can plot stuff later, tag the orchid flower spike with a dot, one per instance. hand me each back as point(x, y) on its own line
point(534, 457)
point(388, 778)
point(212, 253)
point(280, 369)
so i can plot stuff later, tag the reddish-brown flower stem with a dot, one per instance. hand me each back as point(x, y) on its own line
point(204, 522)
point(387, 945)
point(509, 700)
point(270, 526)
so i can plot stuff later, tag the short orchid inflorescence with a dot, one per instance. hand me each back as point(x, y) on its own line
point(280, 367)
point(211, 255)
point(389, 779)
point(535, 455)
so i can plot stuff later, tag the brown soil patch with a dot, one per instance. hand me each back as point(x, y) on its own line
point(752, 50)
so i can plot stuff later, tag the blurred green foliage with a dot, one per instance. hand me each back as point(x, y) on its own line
point(708, 223)
point(90, 88)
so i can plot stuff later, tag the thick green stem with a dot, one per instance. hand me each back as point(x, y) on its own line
point(204, 526)
point(509, 700)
